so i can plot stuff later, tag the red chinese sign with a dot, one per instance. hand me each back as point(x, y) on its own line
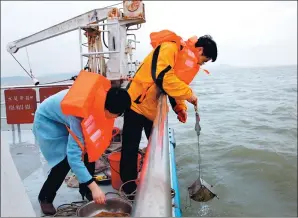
point(20, 105)
point(48, 91)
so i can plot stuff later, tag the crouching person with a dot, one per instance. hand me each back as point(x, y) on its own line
point(73, 129)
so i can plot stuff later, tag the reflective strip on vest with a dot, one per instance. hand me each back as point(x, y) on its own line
point(89, 120)
point(189, 63)
point(91, 128)
point(191, 54)
point(89, 124)
point(95, 135)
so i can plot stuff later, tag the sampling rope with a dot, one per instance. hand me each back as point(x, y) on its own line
point(198, 130)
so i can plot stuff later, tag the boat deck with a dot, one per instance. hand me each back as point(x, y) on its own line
point(29, 166)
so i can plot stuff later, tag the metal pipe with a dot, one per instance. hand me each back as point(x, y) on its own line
point(98, 53)
point(19, 132)
point(81, 49)
point(99, 24)
point(3, 103)
point(13, 134)
point(33, 86)
point(153, 197)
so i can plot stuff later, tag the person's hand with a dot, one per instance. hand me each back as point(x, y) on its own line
point(193, 100)
point(182, 116)
point(97, 194)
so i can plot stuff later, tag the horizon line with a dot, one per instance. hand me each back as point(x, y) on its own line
point(218, 65)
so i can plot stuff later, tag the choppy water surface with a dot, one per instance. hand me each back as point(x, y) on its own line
point(248, 142)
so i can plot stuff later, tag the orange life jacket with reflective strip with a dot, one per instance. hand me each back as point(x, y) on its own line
point(186, 66)
point(86, 99)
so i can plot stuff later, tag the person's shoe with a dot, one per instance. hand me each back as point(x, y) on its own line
point(47, 207)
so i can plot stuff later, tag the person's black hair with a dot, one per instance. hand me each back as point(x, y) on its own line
point(209, 46)
point(117, 101)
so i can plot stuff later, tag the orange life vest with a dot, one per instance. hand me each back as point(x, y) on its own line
point(186, 66)
point(86, 99)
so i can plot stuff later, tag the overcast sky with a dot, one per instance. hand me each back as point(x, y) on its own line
point(247, 33)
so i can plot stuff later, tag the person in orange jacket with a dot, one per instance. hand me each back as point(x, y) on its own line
point(168, 69)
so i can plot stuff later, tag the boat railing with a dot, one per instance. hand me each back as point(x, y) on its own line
point(153, 197)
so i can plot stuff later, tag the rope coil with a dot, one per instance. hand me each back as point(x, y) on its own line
point(67, 210)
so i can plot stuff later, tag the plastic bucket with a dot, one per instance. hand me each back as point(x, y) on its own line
point(114, 159)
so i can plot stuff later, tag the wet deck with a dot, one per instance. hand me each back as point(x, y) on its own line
point(14, 200)
point(32, 170)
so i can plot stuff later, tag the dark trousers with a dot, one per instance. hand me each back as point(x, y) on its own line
point(57, 176)
point(131, 137)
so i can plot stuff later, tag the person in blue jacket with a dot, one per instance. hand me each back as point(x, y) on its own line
point(61, 150)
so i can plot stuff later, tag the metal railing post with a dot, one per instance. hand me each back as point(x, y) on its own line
point(153, 198)
point(13, 134)
point(81, 49)
point(19, 133)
